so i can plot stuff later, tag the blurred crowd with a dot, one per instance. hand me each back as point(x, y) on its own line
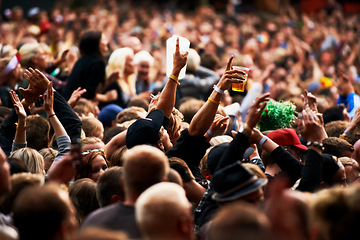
point(99, 141)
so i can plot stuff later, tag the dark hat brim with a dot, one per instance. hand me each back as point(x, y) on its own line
point(241, 192)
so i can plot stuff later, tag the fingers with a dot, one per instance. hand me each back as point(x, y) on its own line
point(228, 66)
point(177, 50)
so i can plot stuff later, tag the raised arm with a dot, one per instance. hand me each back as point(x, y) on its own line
point(205, 116)
point(168, 94)
point(20, 135)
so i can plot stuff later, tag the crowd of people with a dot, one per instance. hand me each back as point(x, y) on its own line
point(99, 142)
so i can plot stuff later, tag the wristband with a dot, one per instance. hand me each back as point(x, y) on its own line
point(262, 141)
point(52, 115)
point(174, 78)
point(210, 133)
point(347, 132)
point(218, 90)
point(213, 101)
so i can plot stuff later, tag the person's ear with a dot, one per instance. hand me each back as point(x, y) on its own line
point(160, 145)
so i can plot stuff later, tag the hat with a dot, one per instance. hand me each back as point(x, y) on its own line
point(108, 114)
point(235, 181)
point(215, 155)
point(145, 130)
point(286, 137)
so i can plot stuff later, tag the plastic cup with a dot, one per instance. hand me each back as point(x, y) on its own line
point(240, 86)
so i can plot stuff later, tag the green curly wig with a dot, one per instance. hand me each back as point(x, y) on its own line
point(277, 115)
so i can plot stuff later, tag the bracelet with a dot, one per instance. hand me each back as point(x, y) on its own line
point(213, 101)
point(174, 78)
point(218, 90)
point(52, 115)
point(316, 145)
point(210, 133)
point(262, 141)
point(347, 132)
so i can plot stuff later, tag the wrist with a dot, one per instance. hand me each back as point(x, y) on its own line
point(176, 72)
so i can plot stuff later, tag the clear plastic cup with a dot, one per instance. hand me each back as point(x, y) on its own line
point(184, 45)
point(240, 86)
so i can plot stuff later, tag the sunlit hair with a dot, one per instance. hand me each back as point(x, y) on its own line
point(117, 60)
point(33, 160)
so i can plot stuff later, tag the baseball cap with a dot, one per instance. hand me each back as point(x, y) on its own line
point(286, 137)
point(145, 130)
point(108, 114)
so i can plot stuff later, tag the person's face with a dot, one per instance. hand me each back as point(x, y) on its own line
point(175, 136)
point(103, 45)
point(143, 70)
point(18, 73)
point(98, 166)
point(129, 66)
point(5, 180)
point(165, 141)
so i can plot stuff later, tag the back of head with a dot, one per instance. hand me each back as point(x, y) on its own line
point(182, 168)
point(19, 182)
point(337, 212)
point(92, 127)
point(143, 56)
point(193, 61)
point(89, 43)
point(189, 108)
point(99, 234)
point(144, 166)
point(37, 132)
point(109, 184)
point(32, 159)
point(335, 128)
point(49, 155)
point(40, 212)
point(335, 113)
point(130, 114)
point(337, 147)
point(239, 220)
point(27, 52)
point(159, 210)
point(83, 196)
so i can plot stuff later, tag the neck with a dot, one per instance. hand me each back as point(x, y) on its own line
point(130, 199)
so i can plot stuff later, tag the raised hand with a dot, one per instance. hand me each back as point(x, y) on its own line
point(37, 85)
point(313, 126)
point(179, 59)
point(309, 100)
point(256, 110)
point(220, 123)
point(19, 108)
point(75, 96)
point(230, 76)
point(49, 100)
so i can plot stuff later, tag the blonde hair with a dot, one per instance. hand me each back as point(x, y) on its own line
point(27, 52)
point(92, 127)
point(33, 160)
point(117, 62)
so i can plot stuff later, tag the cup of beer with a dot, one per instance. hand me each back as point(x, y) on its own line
point(240, 86)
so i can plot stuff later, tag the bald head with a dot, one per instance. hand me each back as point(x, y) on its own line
point(144, 166)
point(163, 212)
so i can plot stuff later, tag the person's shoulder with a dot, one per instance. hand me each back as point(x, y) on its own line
point(98, 215)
